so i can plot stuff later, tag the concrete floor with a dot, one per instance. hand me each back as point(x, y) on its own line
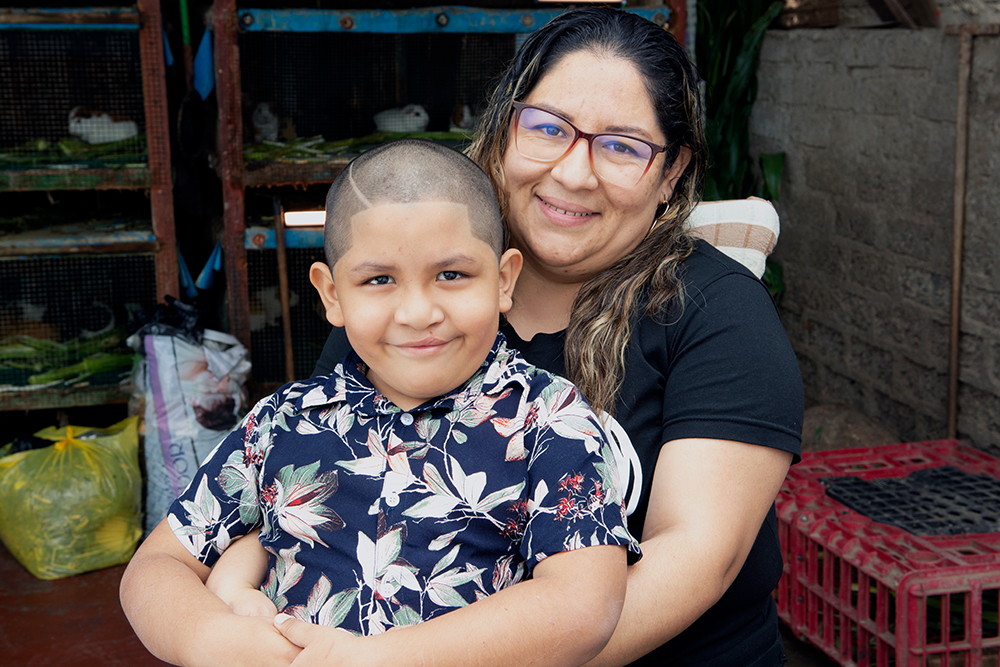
point(77, 622)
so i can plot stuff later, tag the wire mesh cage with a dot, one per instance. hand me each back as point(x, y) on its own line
point(308, 321)
point(326, 90)
point(71, 97)
point(64, 320)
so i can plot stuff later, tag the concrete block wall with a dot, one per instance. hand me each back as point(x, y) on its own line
point(867, 122)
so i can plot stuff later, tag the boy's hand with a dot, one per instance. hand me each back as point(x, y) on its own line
point(321, 645)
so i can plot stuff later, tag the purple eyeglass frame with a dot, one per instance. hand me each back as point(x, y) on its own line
point(580, 134)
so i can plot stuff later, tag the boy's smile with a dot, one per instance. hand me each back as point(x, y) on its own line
point(419, 295)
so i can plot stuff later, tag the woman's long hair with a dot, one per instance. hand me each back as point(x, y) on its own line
point(607, 305)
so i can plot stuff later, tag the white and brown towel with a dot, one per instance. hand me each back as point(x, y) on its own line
point(745, 229)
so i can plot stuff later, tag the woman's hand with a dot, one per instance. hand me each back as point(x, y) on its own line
point(708, 501)
point(322, 646)
point(237, 576)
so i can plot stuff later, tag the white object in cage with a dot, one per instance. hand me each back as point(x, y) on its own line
point(411, 118)
point(265, 123)
point(99, 127)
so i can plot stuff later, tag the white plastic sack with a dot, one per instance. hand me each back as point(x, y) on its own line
point(194, 396)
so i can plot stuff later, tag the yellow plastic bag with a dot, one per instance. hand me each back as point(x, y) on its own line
point(73, 507)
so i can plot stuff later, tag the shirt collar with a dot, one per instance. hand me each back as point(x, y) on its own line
point(348, 383)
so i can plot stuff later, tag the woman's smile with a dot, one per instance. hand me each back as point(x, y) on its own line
point(564, 213)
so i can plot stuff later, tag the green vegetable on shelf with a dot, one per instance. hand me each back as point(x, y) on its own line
point(42, 152)
point(97, 364)
point(315, 149)
point(41, 356)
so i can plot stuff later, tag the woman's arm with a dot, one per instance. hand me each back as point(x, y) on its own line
point(563, 615)
point(180, 621)
point(708, 501)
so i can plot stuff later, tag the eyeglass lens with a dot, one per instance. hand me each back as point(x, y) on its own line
point(617, 159)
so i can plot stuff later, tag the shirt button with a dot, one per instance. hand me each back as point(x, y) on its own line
point(406, 418)
point(392, 499)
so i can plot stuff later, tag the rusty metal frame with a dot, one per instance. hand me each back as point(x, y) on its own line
point(227, 79)
point(965, 33)
point(154, 89)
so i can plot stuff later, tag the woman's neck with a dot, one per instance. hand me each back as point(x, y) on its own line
point(540, 304)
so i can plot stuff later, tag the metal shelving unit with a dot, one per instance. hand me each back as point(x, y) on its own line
point(106, 65)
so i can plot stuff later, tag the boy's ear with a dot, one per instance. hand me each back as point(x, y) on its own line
point(510, 268)
point(322, 280)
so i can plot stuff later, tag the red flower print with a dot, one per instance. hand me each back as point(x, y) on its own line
point(514, 526)
point(531, 417)
point(565, 507)
point(574, 482)
point(269, 493)
point(252, 457)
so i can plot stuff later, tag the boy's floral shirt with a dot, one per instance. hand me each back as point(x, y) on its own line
point(375, 517)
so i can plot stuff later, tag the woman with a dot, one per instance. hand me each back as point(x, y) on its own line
point(682, 346)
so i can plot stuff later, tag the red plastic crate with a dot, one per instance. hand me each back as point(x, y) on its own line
point(871, 594)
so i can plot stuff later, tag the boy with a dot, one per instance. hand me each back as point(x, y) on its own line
point(433, 469)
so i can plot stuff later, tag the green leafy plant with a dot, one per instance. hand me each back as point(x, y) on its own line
point(729, 38)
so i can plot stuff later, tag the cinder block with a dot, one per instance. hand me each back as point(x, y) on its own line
point(839, 387)
point(900, 417)
point(926, 287)
point(877, 184)
point(776, 49)
point(856, 311)
point(940, 98)
point(981, 305)
point(862, 223)
point(870, 362)
point(823, 174)
point(875, 271)
point(992, 368)
point(973, 366)
point(919, 384)
point(926, 242)
point(979, 415)
point(894, 324)
point(827, 342)
point(769, 121)
point(980, 252)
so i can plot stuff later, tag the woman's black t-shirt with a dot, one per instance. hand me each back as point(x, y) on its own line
point(719, 367)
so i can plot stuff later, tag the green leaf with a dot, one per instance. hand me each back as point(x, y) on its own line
point(446, 560)
point(405, 615)
point(336, 608)
point(772, 165)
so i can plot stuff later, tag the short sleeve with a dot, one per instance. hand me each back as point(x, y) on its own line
point(574, 495)
point(222, 500)
point(732, 373)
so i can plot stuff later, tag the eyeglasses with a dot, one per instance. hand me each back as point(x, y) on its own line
point(616, 158)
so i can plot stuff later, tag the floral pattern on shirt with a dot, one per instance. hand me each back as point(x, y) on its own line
point(376, 518)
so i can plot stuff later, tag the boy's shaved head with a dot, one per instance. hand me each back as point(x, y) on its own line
point(409, 171)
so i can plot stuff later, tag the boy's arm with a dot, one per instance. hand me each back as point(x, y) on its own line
point(562, 616)
point(180, 621)
point(237, 575)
